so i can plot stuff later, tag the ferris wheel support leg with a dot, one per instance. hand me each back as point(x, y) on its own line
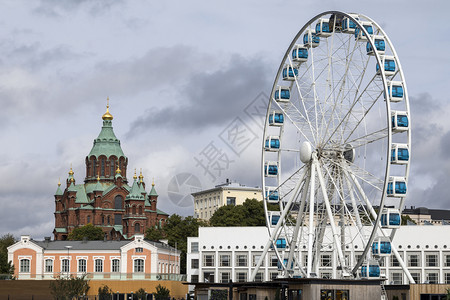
point(275, 231)
point(311, 220)
point(329, 213)
point(298, 224)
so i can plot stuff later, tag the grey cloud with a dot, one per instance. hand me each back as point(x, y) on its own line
point(210, 98)
point(55, 8)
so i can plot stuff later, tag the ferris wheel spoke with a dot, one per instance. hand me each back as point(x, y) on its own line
point(367, 139)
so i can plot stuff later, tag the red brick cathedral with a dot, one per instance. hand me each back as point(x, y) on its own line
point(105, 199)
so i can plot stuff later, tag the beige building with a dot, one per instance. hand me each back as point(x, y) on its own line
point(206, 202)
point(428, 216)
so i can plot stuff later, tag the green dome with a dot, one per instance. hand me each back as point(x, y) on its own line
point(106, 143)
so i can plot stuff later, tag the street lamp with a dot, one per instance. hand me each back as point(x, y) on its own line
point(68, 260)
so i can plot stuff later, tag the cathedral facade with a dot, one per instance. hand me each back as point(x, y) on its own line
point(106, 199)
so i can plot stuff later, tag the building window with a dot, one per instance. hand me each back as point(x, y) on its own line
point(139, 250)
point(447, 278)
point(117, 219)
point(273, 275)
point(208, 276)
point(326, 275)
point(115, 266)
point(325, 260)
point(208, 260)
point(109, 220)
point(194, 263)
point(256, 259)
point(241, 260)
point(194, 247)
point(394, 261)
point(118, 202)
point(297, 295)
point(225, 260)
point(94, 171)
point(413, 260)
point(138, 266)
point(231, 200)
point(24, 266)
point(82, 265)
point(65, 266)
point(432, 277)
point(133, 210)
point(49, 265)
point(416, 276)
point(225, 277)
point(273, 261)
point(431, 260)
point(332, 294)
point(103, 220)
point(140, 210)
point(396, 278)
point(241, 276)
point(88, 219)
point(382, 261)
point(447, 260)
point(194, 278)
point(112, 169)
point(137, 227)
point(98, 266)
point(103, 168)
point(259, 277)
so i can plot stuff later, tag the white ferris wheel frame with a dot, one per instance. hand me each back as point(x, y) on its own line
point(306, 179)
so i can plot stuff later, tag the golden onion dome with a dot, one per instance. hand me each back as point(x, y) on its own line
point(107, 115)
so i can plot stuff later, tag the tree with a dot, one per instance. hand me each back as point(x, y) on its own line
point(63, 288)
point(406, 218)
point(88, 231)
point(6, 267)
point(141, 294)
point(176, 230)
point(162, 293)
point(104, 293)
point(250, 213)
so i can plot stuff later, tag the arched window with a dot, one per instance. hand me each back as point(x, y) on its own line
point(98, 265)
point(112, 169)
point(94, 168)
point(118, 200)
point(88, 219)
point(109, 220)
point(139, 266)
point(133, 210)
point(24, 266)
point(137, 228)
point(49, 265)
point(140, 210)
point(115, 266)
point(103, 220)
point(82, 266)
point(103, 163)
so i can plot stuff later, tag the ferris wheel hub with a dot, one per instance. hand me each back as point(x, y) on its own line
point(305, 152)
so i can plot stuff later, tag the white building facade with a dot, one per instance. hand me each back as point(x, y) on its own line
point(221, 254)
point(206, 202)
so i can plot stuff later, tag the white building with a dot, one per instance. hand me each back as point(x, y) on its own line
point(206, 202)
point(222, 253)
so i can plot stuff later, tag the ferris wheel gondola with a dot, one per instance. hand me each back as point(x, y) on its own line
point(336, 150)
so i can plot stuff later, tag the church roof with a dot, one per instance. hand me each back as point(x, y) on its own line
point(106, 143)
point(153, 191)
point(135, 192)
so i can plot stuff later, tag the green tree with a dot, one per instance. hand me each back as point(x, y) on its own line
point(141, 294)
point(250, 213)
point(162, 293)
point(64, 288)
point(104, 293)
point(406, 218)
point(6, 267)
point(176, 230)
point(88, 231)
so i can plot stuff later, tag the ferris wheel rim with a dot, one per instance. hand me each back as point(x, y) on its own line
point(388, 109)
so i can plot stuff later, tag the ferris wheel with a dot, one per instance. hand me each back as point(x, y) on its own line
point(336, 149)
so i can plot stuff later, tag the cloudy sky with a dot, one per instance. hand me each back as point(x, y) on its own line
point(180, 75)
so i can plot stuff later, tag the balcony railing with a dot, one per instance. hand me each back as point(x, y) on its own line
point(104, 276)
